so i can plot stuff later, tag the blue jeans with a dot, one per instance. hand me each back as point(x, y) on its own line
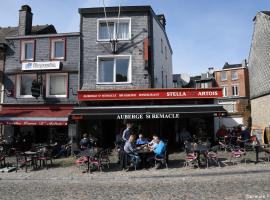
point(135, 159)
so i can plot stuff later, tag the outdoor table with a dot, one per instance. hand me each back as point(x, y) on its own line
point(33, 156)
point(200, 149)
point(257, 150)
point(144, 153)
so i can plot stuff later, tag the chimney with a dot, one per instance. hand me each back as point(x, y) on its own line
point(162, 20)
point(25, 20)
point(244, 63)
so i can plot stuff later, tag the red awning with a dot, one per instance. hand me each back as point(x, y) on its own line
point(35, 115)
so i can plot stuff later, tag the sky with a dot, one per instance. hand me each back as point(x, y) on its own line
point(202, 33)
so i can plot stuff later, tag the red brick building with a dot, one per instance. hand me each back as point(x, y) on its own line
point(234, 81)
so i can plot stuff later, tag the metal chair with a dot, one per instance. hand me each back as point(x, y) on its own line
point(44, 157)
point(212, 157)
point(191, 159)
point(23, 160)
point(2, 157)
point(162, 160)
point(238, 154)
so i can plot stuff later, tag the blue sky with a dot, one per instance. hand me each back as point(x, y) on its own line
point(203, 33)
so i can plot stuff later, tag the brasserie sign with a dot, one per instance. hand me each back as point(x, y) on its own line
point(41, 65)
point(169, 93)
point(149, 116)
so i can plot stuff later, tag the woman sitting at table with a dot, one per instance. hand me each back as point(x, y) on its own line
point(141, 140)
point(85, 142)
point(130, 149)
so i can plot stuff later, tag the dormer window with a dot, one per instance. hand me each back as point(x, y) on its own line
point(28, 50)
point(112, 29)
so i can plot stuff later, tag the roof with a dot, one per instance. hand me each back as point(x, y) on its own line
point(266, 12)
point(230, 66)
point(96, 10)
point(36, 30)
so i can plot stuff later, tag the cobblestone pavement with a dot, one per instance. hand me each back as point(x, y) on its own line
point(241, 181)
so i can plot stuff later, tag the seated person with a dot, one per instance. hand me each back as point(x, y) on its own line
point(130, 149)
point(244, 136)
point(65, 150)
point(222, 132)
point(152, 144)
point(159, 150)
point(85, 142)
point(141, 140)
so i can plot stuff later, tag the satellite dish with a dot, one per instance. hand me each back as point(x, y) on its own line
point(185, 79)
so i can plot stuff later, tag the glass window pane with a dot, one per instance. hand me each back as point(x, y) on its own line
point(223, 76)
point(58, 49)
point(28, 51)
point(26, 84)
point(104, 33)
point(122, 70)
point(105, 70)
point(58, 85)
point(122, 30)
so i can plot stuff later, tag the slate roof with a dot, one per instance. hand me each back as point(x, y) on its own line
point(36, 30)
point(230, 66)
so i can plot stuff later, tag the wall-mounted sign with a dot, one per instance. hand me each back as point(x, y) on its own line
point(171, 93)
point(149, 116)
point(41, 65)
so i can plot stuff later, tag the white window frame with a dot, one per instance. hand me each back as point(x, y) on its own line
point(223, 88)
point(18, 86)
point(23, 43)
point(115, 20)
point(48, 75)
point(53, 40)
point(234, 78)
point(114, 75)
point(233, 90)
point(223, 79)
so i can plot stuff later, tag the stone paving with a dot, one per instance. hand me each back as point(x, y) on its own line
point(241, 181)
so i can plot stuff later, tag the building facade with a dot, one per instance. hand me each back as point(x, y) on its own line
point(126, 75)
point(259, 70)
point(38, 54)
point(234, 81)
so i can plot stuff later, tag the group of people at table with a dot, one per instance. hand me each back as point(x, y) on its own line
point(133, 147)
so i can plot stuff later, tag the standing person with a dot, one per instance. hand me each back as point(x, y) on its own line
point(130, 149)
point(127, 132)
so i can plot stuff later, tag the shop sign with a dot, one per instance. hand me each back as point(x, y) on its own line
point(41, 65)
point(149, 116)
point(149, 94)
point(35, 123)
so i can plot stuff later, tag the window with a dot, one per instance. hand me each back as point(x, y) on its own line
point(234, 75)
point(114, 69)
point(24, 84)
point(56, 85)
point(161, 46)
point(225, 91)
point(204, 85)
point(58, 49)
point(28, 50)
point(224, 76)
point(111, 29)
point(235, 90)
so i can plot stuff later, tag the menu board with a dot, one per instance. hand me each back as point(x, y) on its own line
point(259, 133)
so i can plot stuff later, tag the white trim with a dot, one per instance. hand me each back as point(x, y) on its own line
point(233, 79)
point(18, 86)
point(221, 76)
point(53, 40)
point(237, 90)
point(115, 20)
point(48, 75)
point(114, 57)
point(235, 68)
point(23, 43)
